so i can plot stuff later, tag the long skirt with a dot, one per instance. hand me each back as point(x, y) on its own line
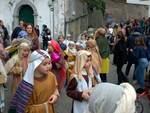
point(105, 66)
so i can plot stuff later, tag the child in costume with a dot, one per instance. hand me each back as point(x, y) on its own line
point(71, 56)
point(3, 79)
point(39, 89)
point(96, 60)
point(81, 83)
point(58, 62)
point(17, 65)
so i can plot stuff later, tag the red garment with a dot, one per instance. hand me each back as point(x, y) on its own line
point(61, 71)
point(55, 46)
point(62, 77)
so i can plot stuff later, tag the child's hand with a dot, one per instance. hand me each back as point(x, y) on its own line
point(86, 95)
point(52, 99)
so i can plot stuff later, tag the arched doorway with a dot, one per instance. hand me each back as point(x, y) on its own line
point(26, 14)
point(19, 9)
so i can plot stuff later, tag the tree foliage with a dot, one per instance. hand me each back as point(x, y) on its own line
point(97, 4)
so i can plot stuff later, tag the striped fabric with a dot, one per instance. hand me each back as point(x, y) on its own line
point(21, 98)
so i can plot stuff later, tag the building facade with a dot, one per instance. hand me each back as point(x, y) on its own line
point(78, 19)
point(141, 2)
point(120, 10)
point(37, 12)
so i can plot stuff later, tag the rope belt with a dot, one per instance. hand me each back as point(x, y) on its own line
point(45, 105)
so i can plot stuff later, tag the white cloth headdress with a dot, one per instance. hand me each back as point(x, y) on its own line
point(111, 98)
point(35, 60)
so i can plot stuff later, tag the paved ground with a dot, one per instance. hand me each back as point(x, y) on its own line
point(64, 103)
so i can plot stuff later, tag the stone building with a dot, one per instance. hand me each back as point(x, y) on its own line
point(77, 18)
point(66, 16)
point(141, 2)
point(37, 12)
point(120, 10)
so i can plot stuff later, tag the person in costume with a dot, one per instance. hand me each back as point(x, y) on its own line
point(71, 49)
point(81, 83)
point(3, 79)
point(120, 100)
point(17, 65)
point(58, 62)
point(96, 59)
point(103, 47)
point(39, 88)
point(71, 56)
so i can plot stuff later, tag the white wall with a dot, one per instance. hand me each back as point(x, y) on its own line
point(58, 18)
point(6, 14)
point(146, 2)
point(43, 10)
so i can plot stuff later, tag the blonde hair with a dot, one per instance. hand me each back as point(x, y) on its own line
point(99, 32)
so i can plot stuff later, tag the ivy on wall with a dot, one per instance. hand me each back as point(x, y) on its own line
point(95, 4)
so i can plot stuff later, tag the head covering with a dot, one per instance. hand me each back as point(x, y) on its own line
point(22, 46)
point(17, 58)
point(22, 34)
point(81, 44)
point(111, 98)
point(55, 45)
point(72, 42)
point(70, 49)
point(35, 60)
point(81, 59)
point(16, 44)
point(20, 100)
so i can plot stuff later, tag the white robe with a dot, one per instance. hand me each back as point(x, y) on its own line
point(81, 107)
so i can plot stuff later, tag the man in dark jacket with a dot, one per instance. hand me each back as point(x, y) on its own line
point(46, 36)
point(17, 30)
point(130, 47)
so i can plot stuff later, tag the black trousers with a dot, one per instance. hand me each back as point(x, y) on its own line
point(121, 77)
point(45, 44)
point(128, 67)
point(103, 77)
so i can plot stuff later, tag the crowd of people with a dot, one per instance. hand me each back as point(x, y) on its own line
point(130, 44)
point(40, 72)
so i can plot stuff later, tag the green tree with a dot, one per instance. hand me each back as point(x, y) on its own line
point(96, 4)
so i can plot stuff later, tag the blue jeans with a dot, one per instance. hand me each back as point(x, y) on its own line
point(139, 71)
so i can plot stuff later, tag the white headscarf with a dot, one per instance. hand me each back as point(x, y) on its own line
point(22, 46)
point(25, 88)
point(110, 98)
point(81, 59)
point(35, 60)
